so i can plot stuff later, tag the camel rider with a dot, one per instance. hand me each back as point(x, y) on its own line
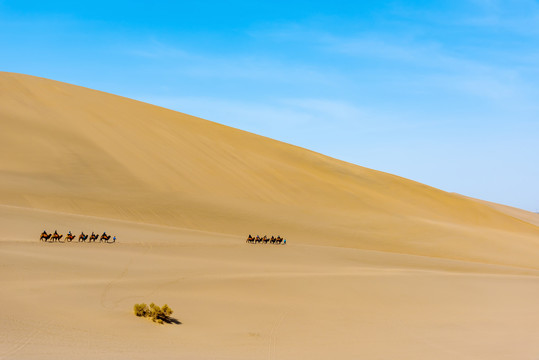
point(55, 232)
point(69, 233)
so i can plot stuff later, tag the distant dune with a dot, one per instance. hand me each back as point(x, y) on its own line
point(376, 266)
point(81, 151)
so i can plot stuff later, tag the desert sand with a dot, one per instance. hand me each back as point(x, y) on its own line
point(376, 266)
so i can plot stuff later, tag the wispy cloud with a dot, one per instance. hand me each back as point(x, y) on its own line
point(438, 65)
point(154, 49)
point(179, 60)
point(519, 16)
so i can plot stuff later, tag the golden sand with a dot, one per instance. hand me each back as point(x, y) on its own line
point(376, 266)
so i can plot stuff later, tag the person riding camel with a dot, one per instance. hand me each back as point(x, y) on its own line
point(55, 232)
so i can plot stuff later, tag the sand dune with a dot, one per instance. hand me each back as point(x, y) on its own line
point(82, 151)
point(376, 266)
point(527, 216)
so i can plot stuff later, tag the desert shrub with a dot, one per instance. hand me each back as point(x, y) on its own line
point(157, 314)
point(141, 310)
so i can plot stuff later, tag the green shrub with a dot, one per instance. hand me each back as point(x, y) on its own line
point(157, 314)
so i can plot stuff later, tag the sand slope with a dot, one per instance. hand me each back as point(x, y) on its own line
point(82, 151)
point(239, 301)
point(527, 216)
point(377, 266)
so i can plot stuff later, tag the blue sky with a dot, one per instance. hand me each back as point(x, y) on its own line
point(441, 92)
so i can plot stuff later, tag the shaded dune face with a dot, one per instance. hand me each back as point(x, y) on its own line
point(71, 149)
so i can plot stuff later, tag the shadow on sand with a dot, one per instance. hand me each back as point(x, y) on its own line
point(172, 320)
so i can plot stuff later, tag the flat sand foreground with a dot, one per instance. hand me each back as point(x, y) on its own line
point(240, 301)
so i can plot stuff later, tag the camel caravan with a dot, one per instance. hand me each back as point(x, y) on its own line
point(55, 237)
point(264, 240)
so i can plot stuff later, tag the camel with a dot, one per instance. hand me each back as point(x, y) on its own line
point(56, 236)
point(45, 236)
point(70, 237)
point(93, 237)
point(82, 237)
point(104, 238)
point(250, 240)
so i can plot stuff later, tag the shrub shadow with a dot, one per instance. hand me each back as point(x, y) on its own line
point(172, 320)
